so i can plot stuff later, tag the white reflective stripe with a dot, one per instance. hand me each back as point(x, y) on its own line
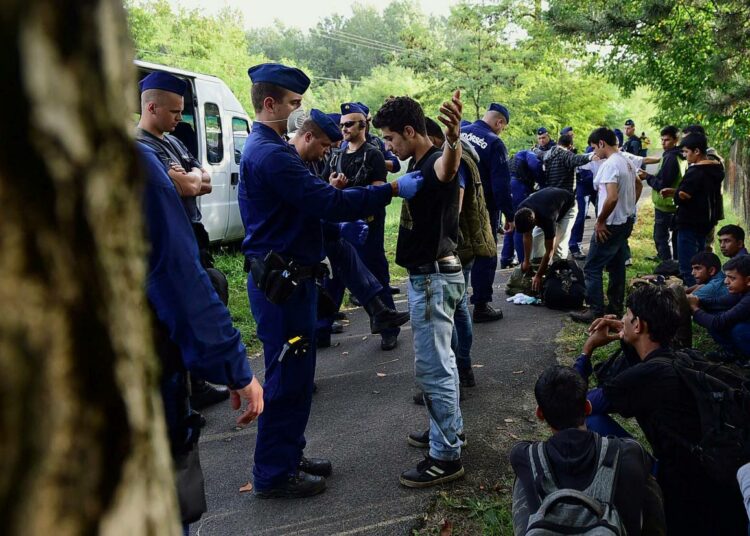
point(429, 472)
point(437, 470)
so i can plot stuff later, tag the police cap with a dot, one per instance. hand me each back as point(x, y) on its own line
point(327, 125)
point(629, 123)
point(566, 130)
point(354, 108)
point(540, 131)
point(163, 81)
point(280, 75)
point(495, 107)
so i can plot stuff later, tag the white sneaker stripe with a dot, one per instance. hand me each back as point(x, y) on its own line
point(437, 470)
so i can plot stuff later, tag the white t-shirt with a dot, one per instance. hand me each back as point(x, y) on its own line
point(621, 171)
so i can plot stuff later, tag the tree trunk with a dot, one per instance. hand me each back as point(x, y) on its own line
point(83, 448)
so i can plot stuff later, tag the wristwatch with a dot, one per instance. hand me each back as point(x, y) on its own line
point(452, 146)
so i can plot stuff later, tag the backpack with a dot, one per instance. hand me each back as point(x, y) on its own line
point(568, 511)
point(519, 282)
point(564, 286)
point(722, 396)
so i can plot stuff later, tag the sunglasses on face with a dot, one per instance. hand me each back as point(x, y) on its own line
point(350, 124)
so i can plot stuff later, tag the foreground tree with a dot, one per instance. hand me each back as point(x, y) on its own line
point(83, 447)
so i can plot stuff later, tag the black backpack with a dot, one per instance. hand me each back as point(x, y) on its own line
point(722, 395)
point(564, 287)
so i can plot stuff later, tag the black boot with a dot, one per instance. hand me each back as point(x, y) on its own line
point(204, 394)
point(316, 466)
point(484, 312)
point(297, 487)
point(466, 377)
point(383, 317)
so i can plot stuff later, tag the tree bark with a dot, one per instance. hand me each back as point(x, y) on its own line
point(83, 448)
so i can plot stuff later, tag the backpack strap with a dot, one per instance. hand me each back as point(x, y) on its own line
point(603, 486)
point(544, 480)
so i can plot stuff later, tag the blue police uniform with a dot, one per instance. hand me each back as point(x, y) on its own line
point(281, 204)
point(495, 175)
point(525, 172)
point(194, 331)
point(585, 191)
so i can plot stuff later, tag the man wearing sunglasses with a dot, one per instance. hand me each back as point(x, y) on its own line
point(363, 164)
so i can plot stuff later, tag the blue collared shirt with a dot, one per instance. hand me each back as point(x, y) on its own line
point(715, 288)
point(282, 202)
point(493, 165)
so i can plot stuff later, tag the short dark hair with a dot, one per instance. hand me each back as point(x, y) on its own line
point(694, 129)
point(433, 129)
point(524, 220)
point(561, 395)
point(261, 90)
point(603, 134)
point(695, 141)
point(311, 126)
point(566, 140)
point(671, 131)
point(735, 230)
point(657, 306)
point(397, 113)
point(740, 264)
point(707, 259)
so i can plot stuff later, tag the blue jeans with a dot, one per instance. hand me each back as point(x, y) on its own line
point(610, 254)
point(433, 299)
point(665, 235)
point(735, 340)
point(463, 330)
point(688, 244)
point(483, 271)
point(519, 191)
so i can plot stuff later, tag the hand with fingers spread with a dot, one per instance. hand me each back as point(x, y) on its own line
point(450, 116)
point(253, 393)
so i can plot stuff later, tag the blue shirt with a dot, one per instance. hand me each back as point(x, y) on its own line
point(179, 290)
point(282, 203)
point(493, 166)
point(715, 288)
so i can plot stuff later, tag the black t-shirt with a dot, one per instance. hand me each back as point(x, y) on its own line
point(170, 150)
point(703, 183)
point(362, 166)
point(549, 205)
point(429, 221)
point(573, 455)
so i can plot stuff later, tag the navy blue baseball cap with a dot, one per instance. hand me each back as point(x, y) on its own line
point(327, 125)
point(540, 131)
point(495, 107)
point(566, 130)
point(354, 108)
point(280, 75)
point(629, 123)
point(163, 81)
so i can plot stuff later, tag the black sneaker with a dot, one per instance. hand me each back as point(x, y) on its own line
point(421, 440)
point(430, 472)
point(316, 466)
point(484, 312)
point(297, 487)
point(466, 377)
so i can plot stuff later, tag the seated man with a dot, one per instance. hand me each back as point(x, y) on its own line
point(573, 456)
point(648, 388)
point(543, 220)
point(730, 327)
point(708, 275)
point(732, 241)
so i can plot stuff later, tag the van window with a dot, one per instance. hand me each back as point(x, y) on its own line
point(214, 137)
point(240, 130)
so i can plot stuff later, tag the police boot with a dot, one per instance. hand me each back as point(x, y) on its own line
point(383, 317)
point(203, 394)
point(296, 487)
point(316, 466)
point(484, 312)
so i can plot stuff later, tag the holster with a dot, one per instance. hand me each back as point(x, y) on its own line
point(273, 275)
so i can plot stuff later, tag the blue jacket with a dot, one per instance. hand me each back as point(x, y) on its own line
point(493, 166)
point(282, 202)
point(715, 288)
point(527, 168)
point(179, 289)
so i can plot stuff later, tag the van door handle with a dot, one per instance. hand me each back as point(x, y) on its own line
point(235, 179)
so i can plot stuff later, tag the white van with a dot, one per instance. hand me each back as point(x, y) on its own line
point(214, 129)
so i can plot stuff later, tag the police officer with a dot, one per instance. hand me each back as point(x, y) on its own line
point(281, 204)
point(543, 140)
point(193, 332)
point(633, 144)
point(483, 135)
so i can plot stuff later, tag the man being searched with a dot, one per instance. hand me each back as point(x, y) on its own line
point(162, 103)
point(543, 220)
point(363, 164)
point(427, 245)
point(282, 204)
point(484, 136)
point(618, 189)
point(607, 469)
point(646, 385)
point(193, 331)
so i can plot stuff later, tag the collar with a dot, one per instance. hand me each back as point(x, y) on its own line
point(662, 351)
point(267, 132)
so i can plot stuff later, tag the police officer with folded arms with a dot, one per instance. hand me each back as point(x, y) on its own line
point(281, 204)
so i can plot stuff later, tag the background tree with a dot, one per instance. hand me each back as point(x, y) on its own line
point(84, 449)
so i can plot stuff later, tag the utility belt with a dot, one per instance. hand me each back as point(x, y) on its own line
point(278, 277)
point(451, 265)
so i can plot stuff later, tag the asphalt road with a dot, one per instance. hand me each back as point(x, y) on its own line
point(360, 418)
